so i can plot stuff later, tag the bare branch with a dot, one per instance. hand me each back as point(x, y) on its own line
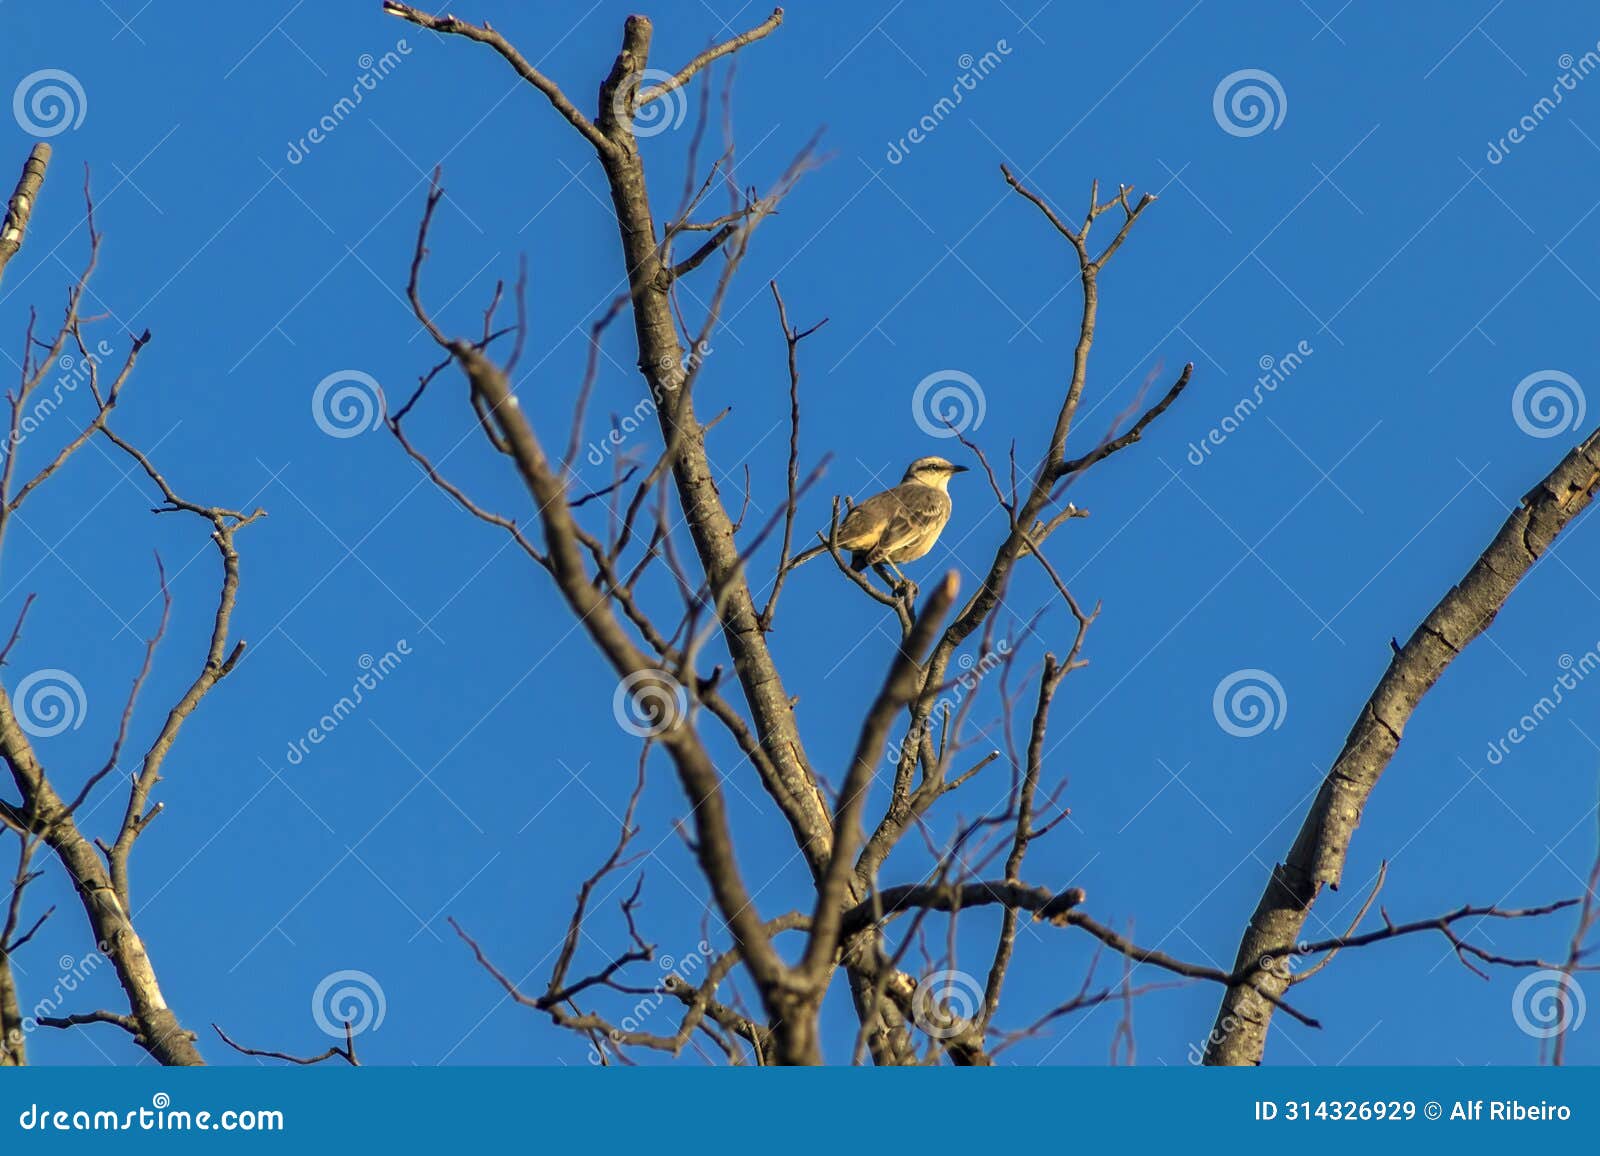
point(19, 209)
point(1318, 854)
point(483, 34)
point(687, 72)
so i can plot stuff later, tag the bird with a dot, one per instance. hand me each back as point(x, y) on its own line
point(900, 524)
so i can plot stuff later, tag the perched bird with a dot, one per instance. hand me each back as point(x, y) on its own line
point(901, 524)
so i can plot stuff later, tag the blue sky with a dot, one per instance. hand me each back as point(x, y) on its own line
point(1369, 230)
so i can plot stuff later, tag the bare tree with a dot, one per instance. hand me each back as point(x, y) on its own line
point(47, 816)
point(684, 626)
point(597, 545)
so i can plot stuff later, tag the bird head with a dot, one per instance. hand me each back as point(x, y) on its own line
point(932, 471)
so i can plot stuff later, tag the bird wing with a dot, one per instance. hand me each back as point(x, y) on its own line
point(920, 514)
point(893, 518)
point(864, 525)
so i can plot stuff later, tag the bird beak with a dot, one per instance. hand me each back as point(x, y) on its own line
point(959, 469)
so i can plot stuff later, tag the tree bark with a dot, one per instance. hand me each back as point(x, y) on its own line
point(19, 210)
point(1317, 857)
point(661, 363)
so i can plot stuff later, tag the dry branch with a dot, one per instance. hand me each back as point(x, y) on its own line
point(1317, 857)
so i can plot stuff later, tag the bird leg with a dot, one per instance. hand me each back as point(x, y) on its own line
point(899, 584)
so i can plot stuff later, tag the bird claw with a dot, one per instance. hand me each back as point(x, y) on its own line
point(907, 589)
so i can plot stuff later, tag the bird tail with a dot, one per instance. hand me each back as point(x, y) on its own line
point(858, 560)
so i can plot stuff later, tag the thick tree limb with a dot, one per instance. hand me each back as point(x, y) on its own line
point(19, 210)
point(1318, 854)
